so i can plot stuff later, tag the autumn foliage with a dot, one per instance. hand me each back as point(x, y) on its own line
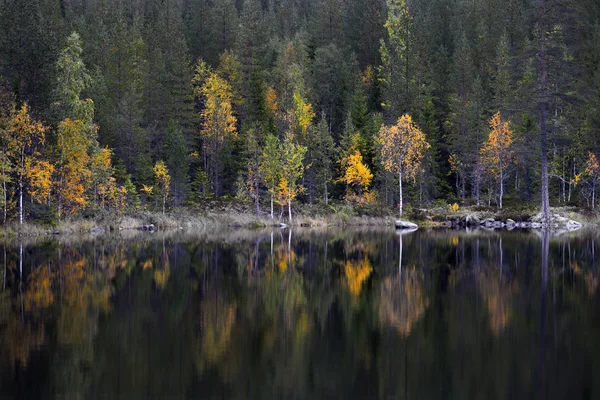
point(403, 147)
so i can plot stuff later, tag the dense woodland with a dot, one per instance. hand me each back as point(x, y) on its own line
point(115, 105)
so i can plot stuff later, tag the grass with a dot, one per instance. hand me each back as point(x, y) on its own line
point(215, 215)
point(206, 219)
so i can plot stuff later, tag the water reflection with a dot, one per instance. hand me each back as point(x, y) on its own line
point(354, 314)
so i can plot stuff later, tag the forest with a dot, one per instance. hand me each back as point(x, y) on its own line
point(114, 105)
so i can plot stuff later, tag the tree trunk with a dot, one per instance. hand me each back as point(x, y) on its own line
point(542, 105)
point(21, 199)
point(271, 205)
point(326, 194)
point(290, 209)
point(164, 202)
point(501, 186)
point(5, 199)
point(400, 205)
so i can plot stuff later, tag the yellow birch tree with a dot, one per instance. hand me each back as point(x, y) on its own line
point(496, 152)
point(163, 181)
point(26, 135)
point(403, 147)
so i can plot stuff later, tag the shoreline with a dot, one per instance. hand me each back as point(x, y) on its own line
point(215, 219)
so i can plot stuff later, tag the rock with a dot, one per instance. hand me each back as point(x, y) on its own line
point(488, 222)
point(498, 224)
point(472, 220)
point(405, 225)
point(96, 230)
point(510, 222)
point(573, 225)
point(536, 225)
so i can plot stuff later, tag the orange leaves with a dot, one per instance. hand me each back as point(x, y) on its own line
point(271, 100)
point(402, 147)
point(74, 174)
point(592, 167)
point(496, 151)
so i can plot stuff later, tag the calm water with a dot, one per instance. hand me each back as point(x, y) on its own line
point(311, 314)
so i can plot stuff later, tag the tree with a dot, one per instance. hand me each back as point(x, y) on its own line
point(74, 165)
point(72, 79)
point(357, 173)
point(592, 169)
point(218, 121)
point(402, 149)
point(270, 166)
point(39, 177)
point(26, 135)
point(496, 151)
point(292, 169)
point(101, 170)
point(163, 181)
point(175, 154)
point(399, 60)
point(323, 156)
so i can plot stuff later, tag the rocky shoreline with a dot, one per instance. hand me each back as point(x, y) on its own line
point(536, 222)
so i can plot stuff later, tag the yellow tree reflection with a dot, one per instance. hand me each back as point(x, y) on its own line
point(498, 296)
point(357, 272)
point(403, 301)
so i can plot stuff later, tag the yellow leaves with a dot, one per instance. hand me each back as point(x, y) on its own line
point(113, 195)
point(163, 179)
point(292, 169)
point(147, 189)
point(455, 164)
point(453, 207)
point(402, 147)
point(496, 152)
point(25, 131)
point(303, 113)
point(217, 116)
point(283, 192)
point(357, 272)
point(356, 173)
point(39, 174)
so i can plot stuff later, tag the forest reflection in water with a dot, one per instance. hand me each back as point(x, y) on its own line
point(302, 313)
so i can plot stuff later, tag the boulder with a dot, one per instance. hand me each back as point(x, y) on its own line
point(472, 220)
point(96, 230)
point(401, 225)
point(488, 222)
point(573, 225)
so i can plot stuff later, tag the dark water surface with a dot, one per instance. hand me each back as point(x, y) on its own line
point(306, 315)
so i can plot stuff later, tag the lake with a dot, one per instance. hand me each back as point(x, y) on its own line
point(302, 314)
